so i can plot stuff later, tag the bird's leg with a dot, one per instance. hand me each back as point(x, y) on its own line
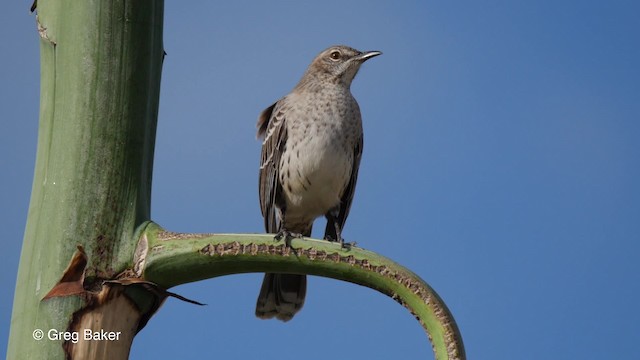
point(283, 233)
point(333, 231)
point(336, 226)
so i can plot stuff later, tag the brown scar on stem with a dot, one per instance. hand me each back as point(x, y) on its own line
point(72, 279)
point(42, 31)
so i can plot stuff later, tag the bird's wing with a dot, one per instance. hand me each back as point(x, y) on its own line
point(347, 195)
point(271, 127)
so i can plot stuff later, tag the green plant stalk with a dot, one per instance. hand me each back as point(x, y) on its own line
point(100, 79)
point(169, 259)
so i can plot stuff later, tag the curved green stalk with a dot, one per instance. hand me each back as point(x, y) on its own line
point(169, 259)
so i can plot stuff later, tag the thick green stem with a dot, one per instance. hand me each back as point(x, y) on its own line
point(100, 81)
point(170, 259)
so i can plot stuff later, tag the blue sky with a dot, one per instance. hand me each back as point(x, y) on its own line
point(501, 164)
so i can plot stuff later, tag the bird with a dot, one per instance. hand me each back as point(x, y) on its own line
point(312, 142)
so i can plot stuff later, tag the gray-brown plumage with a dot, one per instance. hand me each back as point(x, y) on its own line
point(309, 166)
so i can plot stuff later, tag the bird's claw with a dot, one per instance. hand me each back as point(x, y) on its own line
point(343, 244)
point(287, 236)
point(349, 245)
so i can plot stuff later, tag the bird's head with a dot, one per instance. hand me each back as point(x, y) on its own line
point(338, 64)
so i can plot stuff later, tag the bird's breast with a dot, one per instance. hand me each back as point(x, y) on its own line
point(322, 130)
point(315, 170)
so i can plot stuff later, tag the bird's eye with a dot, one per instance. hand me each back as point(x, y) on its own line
point(335, 55)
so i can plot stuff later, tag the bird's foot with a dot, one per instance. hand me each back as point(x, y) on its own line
point(343, 244)
point(287, 236)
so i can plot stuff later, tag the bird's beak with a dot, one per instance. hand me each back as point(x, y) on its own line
point(368, 55)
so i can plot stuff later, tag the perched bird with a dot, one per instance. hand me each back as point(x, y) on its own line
point(309, 166)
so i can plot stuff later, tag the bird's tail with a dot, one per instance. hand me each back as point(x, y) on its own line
point(281, 296)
